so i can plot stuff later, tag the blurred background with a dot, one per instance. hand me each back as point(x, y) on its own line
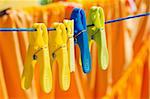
point(128, 42)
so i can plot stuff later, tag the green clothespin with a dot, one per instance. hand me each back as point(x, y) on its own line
point(97, 33)
point(44, 2)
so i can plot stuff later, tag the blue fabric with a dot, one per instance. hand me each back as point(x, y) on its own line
point(79, 18)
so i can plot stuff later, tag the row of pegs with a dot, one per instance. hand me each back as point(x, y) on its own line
point(47, 48)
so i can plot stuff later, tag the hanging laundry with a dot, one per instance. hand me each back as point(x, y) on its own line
point(70, 43)
point(113, 82)
point(132, 5)
point(3, 90)
point(38, 52)
point(59, 53)
point(11, 59)
point(129, 85)
point(23, 20)
point(97, 33)
point(81, 37)
point(69, 6)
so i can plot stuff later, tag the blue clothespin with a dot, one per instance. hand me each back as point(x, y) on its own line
point(81, 37)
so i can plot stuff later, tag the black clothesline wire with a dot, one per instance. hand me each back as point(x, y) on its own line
point(51, 29)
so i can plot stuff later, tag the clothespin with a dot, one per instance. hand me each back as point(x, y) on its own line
point(97, 33)
point(38, 52)
point(81, 37)
point(70, 43)
point(59, 54)
point(44, 2)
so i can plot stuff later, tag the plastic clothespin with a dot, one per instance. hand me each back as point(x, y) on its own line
point(81, 37)
point(97, 33)
point(70, 43)
point(44, 2)
point(38, 52)
point(59, 53)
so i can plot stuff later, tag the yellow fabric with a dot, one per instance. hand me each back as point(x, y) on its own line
point(59, 53)
point(38, 46)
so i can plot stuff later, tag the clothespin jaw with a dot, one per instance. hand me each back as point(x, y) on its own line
point(69, 27)
point(70, 43)
point(38, 52)
point(97, 32)
point(81, 37)
point(59, 54)
point(77, 15)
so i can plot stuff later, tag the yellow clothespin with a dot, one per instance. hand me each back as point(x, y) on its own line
point(59, 53)
point(38, 52)
point(70, 43)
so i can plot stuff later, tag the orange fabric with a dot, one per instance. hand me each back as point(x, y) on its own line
point(143, 29)
point(117, 43)
point(129, 85)
point(145, 81)
point(23, 20)
point(115, 82)
point(3, 90)
point(11, 58)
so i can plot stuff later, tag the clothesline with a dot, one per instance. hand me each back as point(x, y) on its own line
point(51, 29)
